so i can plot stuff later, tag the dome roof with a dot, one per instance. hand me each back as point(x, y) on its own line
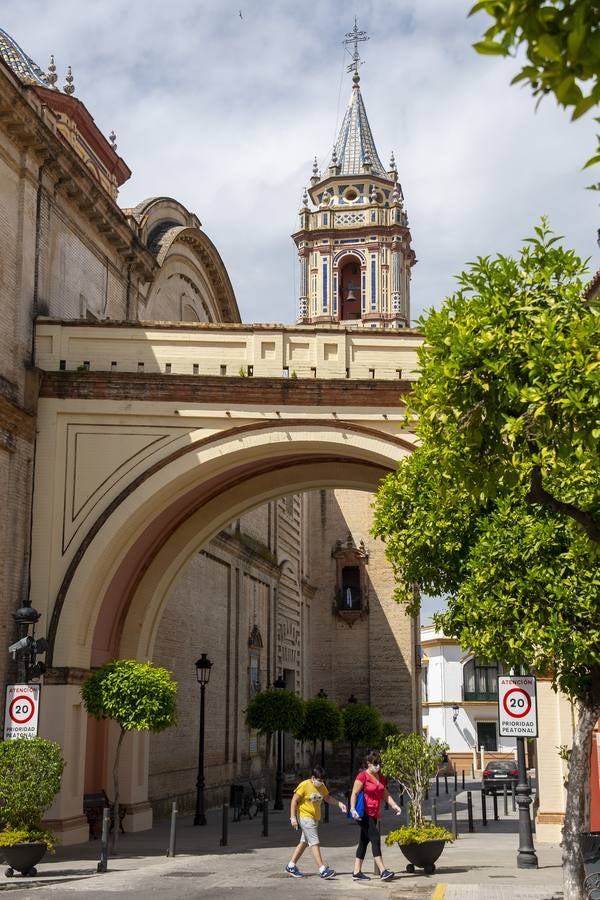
point(22, 65)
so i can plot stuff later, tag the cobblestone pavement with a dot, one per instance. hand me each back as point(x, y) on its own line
point(478, 866)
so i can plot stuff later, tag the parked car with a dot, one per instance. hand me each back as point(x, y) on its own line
point(500, 772)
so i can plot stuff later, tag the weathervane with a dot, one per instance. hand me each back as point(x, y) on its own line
point(355, 37)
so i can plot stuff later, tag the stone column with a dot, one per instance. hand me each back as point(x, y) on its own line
point(303, 299)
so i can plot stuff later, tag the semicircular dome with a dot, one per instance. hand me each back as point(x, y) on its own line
point(22, 65)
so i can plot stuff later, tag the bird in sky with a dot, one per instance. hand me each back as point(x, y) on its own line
point(241, 16)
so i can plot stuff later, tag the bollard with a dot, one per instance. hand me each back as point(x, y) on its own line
point(103, 864)
point(427, 791)
point(483, 808)
point(224, 825)
point(434, 812)
point(454, 818)
point(514, 802)
point(265, 828)
point(326, 814)
point(495, 800)
point(455, 782)
point(463, 779)
point(446, 783)
point(171, 847)
point(505, 801)
point(402, 799)
point(437, 785)
point(470, 812)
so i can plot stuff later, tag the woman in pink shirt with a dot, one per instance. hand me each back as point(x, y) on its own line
point(374, 789)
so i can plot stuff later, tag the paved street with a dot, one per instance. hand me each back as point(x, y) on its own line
point(479, 866)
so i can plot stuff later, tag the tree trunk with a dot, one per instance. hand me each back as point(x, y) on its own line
point(115, 832)
point(577, 809)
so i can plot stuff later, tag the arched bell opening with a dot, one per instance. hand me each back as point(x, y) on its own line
point(349, 289)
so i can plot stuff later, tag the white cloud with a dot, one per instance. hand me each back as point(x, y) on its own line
point(226, 114)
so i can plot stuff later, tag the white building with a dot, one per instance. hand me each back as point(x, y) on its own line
point(460, 701)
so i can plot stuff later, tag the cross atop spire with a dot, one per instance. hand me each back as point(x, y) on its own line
point(354, 37)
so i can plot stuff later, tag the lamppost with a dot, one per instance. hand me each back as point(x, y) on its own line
point(351, 699)
point(322, 695)
point(27, 647)
point(278, 804)
point(203, 667)
point(526, 855)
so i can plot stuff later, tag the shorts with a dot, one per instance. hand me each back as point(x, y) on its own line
point(310, 831)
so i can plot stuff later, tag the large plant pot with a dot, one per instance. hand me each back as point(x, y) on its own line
point(422, 856)
point(589, 843)
point(23, 857)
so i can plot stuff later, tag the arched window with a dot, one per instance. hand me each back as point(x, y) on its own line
point(480, 679)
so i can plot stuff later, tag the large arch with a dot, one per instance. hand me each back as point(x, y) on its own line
point(111, 596)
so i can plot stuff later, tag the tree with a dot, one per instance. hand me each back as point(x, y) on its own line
point(413, 761)
point(138, 697)
point(272, 710)
point(322, 722)
point(498, 507)
point(562, 44)
point(361, 726)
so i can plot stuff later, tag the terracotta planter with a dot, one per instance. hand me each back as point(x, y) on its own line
point(23, 857)
point(422, 856)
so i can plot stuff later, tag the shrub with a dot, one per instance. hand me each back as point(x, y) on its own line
point(30, 775)
point(411, 759)
point(409, 835)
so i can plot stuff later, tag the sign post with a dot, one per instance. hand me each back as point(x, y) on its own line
point(517, 717)
point(21, 711)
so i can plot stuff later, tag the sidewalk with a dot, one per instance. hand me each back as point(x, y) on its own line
point(479, 866)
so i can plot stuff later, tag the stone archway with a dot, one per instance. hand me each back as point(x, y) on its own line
point(111, 597)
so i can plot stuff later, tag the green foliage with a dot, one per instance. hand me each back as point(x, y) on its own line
point(412, 760)
point(561, 39)
point(11, 836)
point(30, 775)
point(408, 835)
point(139, 696)
point(361, 724)
point(388, 729)
point(275, 709)
point(322, 721)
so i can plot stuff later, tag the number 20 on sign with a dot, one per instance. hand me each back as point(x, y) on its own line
point(517, 706)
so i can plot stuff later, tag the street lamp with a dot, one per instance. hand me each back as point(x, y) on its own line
point(322, 695)
point(203, 667)
point(455, 711)
point(27, 647)
point(278, 804)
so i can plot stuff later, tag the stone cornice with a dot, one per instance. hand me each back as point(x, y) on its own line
point(31, 126)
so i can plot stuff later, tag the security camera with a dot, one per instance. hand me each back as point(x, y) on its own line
point(19, 645)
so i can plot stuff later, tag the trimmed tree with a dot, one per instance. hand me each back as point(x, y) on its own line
point(412, 760)
point(361, 727)
point(499, 507)
point(273, 710)
point(322, 722)
point(138, 697)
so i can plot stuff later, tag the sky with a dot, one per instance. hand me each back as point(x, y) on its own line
point(226, 113)
point(224, 106)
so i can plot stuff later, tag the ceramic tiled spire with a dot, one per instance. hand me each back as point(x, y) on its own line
point(355, 144)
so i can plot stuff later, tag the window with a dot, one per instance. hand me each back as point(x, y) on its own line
point(424, 693)
point(480, 680)
point(351, 594)
point(486, 736)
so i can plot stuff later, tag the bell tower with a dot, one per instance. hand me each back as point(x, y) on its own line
point(354, 243)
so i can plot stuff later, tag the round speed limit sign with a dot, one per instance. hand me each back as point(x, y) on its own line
point(517, 708)
point(21, 709)
point(517, 703)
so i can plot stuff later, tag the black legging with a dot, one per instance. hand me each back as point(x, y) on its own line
point(368, 832)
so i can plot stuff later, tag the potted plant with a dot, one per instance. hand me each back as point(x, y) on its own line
point(30, 775)
point(413, 761)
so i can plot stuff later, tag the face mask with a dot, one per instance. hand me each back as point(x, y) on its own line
point(317, 783)
point(375, 768)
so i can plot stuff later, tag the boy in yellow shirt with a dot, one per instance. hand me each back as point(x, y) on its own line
point(305, 813)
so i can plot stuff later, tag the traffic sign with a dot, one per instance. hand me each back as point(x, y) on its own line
point(517, 706)
point(21, 711)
